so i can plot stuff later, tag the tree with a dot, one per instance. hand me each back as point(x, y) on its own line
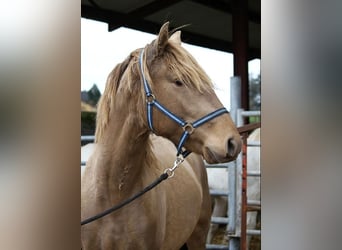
point(255, 93)
point(94, 95)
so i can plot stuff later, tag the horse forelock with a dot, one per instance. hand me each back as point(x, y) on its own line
point(180, 62)
point(186, 68)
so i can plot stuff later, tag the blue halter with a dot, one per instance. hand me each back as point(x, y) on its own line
point(188, 127)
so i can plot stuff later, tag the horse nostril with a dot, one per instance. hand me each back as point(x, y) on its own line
point(231, 147)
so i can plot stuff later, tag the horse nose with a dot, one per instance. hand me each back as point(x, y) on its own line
point(233, 147)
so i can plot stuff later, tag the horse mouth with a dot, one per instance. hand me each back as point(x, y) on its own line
point(211, 157)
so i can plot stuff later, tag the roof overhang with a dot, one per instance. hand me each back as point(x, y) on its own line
point(209, 23)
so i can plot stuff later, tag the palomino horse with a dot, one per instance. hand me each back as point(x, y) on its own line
point(162, 79)
point(218, 180)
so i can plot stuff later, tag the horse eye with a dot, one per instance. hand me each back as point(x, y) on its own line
point(178, 83)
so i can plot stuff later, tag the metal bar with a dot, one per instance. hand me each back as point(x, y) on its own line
point(253, 232)
point(219, 165)
point(219, 220)
point(239, 120)
point(253, 174)
point(235, 105)
point(253, 203)
point(234, 243)
point(216, 247)
point(251, 113)
point(87, 137)
point(235, 96)
point(254, 144)
point(232, 200)
point(216, 192)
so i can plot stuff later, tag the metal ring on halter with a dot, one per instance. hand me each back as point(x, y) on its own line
point(188, 128)
point(150, 99)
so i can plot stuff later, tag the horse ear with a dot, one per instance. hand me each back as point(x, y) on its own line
point(176, 38)
point(163, 38)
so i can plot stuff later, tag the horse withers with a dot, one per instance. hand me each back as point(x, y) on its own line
point(160, 88)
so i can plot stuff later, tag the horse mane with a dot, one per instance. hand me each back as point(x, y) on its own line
point(107, 99)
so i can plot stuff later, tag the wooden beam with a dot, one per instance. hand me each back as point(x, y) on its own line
point(227, 8)
point(153, 7)
point(144, 11)
point(240, 48)
point(249, 127)
point(137, 23)
point(92, 2)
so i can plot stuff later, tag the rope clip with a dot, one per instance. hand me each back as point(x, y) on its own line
point(171, 171)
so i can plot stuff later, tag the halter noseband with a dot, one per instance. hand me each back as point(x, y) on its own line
point(188, 127)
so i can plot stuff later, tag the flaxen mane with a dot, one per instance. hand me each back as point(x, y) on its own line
point(107, 99)
point(124, 70)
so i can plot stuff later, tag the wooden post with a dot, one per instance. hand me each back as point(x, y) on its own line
point(240, 47)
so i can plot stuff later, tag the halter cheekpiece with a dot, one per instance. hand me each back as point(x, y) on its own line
point(188, 127)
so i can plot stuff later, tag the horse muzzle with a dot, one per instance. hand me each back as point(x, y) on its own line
point(226, 153)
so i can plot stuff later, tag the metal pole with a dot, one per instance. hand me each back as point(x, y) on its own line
point(231, 198)
point(235, 104)
point(235, 96)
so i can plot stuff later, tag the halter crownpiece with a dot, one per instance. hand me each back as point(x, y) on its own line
point(188, 127)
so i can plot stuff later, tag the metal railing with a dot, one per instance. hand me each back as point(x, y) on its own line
point(235, 184)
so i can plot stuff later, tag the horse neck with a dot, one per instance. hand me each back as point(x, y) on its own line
point(125, 150)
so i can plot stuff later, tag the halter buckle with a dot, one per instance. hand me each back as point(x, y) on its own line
point(188, 128)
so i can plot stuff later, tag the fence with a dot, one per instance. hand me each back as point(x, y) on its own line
point(237, 182)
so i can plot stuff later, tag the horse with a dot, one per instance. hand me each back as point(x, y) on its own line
point(218, 180)
point(158, 105)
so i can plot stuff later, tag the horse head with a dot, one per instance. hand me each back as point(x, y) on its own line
point(174, 81)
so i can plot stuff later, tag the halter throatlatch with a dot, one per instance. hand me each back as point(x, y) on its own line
point(188, 127)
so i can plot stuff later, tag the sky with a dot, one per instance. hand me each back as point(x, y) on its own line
point(102, 50)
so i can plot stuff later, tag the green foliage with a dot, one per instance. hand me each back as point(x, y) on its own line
point(88, 121)
point(253, 119)
point(255, 93)
point(94, 95)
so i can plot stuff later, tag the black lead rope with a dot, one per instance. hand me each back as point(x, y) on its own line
point(161, 178)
